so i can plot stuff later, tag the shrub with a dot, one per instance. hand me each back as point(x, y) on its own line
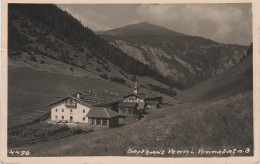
point(107, 68)
point(32, 57)
point(97, 69)
point(118, 80)
point(167, 91)
point(104, 76)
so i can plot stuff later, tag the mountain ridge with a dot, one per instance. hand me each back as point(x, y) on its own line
point(189, 59)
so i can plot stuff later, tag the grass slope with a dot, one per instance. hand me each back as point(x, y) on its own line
point(238, 79)
point(226, 123)
point(30, 90)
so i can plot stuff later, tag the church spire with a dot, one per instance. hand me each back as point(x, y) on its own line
point(136, 88)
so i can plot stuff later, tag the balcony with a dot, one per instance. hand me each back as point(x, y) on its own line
point(71, 105)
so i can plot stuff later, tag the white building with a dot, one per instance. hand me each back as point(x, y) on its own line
point(74, 108)
point(70, 109)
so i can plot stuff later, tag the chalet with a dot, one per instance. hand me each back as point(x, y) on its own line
point(102, 117)
point(141, 99)
point(74, 108)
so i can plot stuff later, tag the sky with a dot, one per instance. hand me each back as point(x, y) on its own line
point(224, 23)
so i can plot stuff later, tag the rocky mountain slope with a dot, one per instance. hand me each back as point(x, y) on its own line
point(188, 59)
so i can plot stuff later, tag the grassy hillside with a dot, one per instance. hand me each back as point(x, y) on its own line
point(30, 91)
point(238, 79)
point(226, 123)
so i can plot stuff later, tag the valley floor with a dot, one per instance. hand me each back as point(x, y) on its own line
point(222, 124)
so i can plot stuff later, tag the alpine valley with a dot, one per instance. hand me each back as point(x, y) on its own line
point(205, 86)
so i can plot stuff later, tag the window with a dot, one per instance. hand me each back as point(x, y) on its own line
point(98, 121)
point(83, 110)
point(83, 118)
point(130, 111)
point(62, 110)
point(56, 110)
point(71, 110)
point(104, 122)
point(56, 117)
point(92, 121)
point(62, 117)
point(71, 101)
point(122, 111)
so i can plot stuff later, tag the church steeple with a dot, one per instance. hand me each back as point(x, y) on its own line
point(136, 88)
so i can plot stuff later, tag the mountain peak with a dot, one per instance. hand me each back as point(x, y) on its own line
point(143, 23)
point(139, 29)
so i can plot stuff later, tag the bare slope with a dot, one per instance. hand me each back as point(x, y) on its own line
point(188, 59)
point(238, 79)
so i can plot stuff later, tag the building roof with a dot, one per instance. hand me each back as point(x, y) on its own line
point(152, 102)
point(127, 104)
point(133, 94)
point(64, 98)
point(94, 97)
point(98, 97)
point(101, 112)
point(142, 95)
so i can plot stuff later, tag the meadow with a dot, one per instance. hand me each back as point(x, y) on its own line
point(225, 123)
point(30, 91)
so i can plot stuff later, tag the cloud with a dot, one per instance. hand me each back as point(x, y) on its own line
point(218, 22)
point(225, 23)
point(89, 18)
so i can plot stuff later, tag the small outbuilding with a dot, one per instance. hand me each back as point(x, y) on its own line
point(102, 117)
point(128, 108)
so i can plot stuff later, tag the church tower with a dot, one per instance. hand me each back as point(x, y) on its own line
point(136, 88)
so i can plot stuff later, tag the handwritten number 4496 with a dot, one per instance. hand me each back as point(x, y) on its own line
point(21, 153)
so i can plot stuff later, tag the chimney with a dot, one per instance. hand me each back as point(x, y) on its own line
point(136, 88)
point(78, 95)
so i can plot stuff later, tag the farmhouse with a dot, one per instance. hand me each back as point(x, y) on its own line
point(143, 100)
point(74, 108)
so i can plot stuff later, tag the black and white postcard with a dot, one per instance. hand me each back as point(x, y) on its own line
point(130, 81)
